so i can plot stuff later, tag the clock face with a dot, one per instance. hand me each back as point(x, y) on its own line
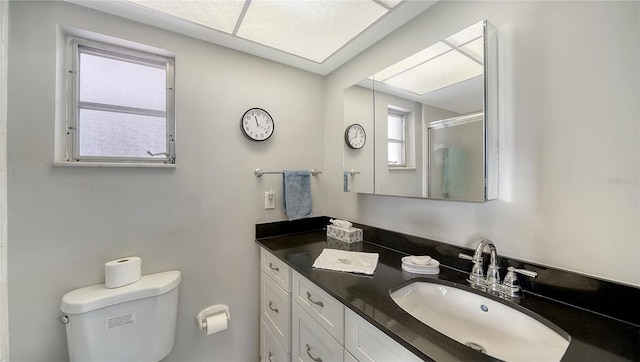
point(354, 136)
point(256, 124)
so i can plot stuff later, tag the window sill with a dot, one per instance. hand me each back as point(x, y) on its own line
point(112, 164)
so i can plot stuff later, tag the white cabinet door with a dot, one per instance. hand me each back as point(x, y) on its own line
point(324, 308)
point(275, 268)
point(367, 343)
point(311, 342)
point(275, 310)
point(270, 349)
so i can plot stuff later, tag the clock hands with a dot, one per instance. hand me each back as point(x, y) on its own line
point(357, 134)
point(258, 123)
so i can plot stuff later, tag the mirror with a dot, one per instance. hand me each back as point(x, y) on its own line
point(431, 121)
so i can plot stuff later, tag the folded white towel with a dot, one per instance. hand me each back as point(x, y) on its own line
point(347, 261)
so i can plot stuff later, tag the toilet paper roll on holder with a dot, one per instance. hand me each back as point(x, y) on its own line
point(201, 318)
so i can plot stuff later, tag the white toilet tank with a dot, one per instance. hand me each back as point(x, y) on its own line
point(136, 322)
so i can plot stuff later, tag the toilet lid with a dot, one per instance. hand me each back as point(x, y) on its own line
point(98, 296)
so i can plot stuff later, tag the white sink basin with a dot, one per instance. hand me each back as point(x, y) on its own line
point(484, 324)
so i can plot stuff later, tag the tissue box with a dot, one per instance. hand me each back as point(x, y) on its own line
point(341, 245)
point(349, 235)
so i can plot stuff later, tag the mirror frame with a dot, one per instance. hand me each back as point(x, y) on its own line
point(490, 130)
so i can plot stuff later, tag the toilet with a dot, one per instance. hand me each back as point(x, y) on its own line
point(136, 322)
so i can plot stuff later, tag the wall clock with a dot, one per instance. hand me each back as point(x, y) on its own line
point(257, 124)
point(354, 136)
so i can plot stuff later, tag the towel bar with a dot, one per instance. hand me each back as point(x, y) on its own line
point(259, 172)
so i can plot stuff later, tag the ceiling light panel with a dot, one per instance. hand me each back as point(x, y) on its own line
point(312, 29)
point(445, 70)
point(219, 14)
point(390, 3)
point(464, 36)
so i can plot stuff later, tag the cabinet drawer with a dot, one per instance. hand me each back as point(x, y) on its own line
point(325, 309)
point(278, 270)
point(270, 349)
point(367, 343)
point(311, 342)
point(275, 310)
point(348, 357)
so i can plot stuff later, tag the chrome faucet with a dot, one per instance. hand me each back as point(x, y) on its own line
point(510, 288)
point(477, 278)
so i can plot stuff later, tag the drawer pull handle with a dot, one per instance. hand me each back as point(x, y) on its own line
point(316, 359)
point(320, 304)
point(269, 358)
point(272, 308)
point(274, 267)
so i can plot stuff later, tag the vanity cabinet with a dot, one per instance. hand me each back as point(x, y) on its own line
point(311, 342)
point(276, 269)
point(326, 310)
point(302, 322)
point(275, 309)
point(317, 322)
point(270, 349)
point(367, 343)
point(348, 357)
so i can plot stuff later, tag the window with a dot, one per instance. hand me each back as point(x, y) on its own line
point(121, 105)
point(396, 135)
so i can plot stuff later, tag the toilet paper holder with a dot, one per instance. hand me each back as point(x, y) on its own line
point(201, 318)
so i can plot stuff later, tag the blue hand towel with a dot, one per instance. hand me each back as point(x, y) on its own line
point(297, 194)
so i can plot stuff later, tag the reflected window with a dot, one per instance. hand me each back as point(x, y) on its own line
point(396, 138)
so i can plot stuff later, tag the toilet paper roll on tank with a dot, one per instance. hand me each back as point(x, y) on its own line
point(123, 271)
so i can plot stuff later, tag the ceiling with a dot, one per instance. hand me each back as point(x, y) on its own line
point(314, 35)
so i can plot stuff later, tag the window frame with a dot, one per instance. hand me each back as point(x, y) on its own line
point(76, 46)
point(403, 142)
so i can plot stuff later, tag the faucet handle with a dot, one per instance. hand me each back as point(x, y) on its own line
point(510, 283)
point(465, 256)
point(476, 277)
point(529, 273)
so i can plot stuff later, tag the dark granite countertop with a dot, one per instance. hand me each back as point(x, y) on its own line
point(594, 337)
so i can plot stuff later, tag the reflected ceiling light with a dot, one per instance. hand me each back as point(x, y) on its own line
point(457, 58)
point(412, 61)
point(474, 49)
point(447, 69)
point(467, 35)
point(310, 29)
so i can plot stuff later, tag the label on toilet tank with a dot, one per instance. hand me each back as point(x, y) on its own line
point(121, 321)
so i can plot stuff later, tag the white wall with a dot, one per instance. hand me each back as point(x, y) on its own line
point(358, 110)
point(400, 180)
point(66, 222)
point(569, 136)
